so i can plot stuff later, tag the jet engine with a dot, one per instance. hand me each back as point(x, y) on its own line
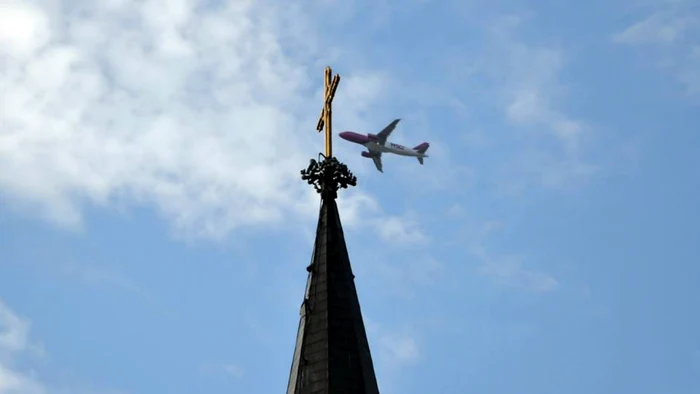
point(367, 154)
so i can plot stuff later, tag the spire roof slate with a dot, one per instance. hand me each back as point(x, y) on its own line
point(332, 354)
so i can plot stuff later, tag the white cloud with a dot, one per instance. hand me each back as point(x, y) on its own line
point(234, 370)
point(231, 369)
point(19, 354)
point(14, 331)
point(23, 27)
point(393, 349)
point(544, 144)
point(399, 230)
point(534, 89)
point(355, 206)
point(658, 28)
point(399, 349)
point(12, 382)
point(14, 343)
point(476, 139)
point(529, 75)
point(507, 270)
point(196, 109)
point(672, 31)
point(690, 75)
point(538, 168)
point(455, 211)
point(405, 277)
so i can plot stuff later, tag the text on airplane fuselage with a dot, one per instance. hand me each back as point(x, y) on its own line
point(397, 146)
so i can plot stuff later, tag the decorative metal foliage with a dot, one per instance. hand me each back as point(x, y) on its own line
point(328, 176)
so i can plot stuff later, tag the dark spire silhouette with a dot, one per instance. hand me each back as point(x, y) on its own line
point(332, 353)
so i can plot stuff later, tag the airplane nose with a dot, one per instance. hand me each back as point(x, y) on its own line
point(344, 135)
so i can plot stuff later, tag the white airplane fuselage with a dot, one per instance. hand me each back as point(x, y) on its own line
point(390, 147)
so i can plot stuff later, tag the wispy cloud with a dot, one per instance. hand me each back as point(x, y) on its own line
point(12, 382)
point(541, 143)
point(476, 139)
point(393, 349)
point(672, 32)
point(539, 168)
point(234, 370)
point(508, 270)
point(15, 344)
point(407, 276)
point(663, 28)
point(531, 83)
point(400, 230)
point(18, 356)
point(399, 350)
point(355, 207)
point(531, 94)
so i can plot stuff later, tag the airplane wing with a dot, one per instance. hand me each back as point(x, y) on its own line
point(377, 159)
point(384, 134)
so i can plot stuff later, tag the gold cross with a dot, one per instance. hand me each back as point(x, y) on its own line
point(330, 86)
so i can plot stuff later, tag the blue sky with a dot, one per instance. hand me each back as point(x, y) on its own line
point(154, 231)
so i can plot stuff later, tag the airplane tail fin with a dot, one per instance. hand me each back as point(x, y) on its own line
point(421, 149)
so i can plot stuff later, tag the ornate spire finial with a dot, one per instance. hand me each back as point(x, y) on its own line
point(328, 176)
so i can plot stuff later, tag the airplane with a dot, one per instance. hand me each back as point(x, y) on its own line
point(377, 144)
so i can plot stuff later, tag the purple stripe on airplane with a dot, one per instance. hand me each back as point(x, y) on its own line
point(354, 137)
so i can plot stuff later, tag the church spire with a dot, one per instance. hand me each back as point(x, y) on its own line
point(332, 353)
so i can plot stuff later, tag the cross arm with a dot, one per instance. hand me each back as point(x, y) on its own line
point(331, 87)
